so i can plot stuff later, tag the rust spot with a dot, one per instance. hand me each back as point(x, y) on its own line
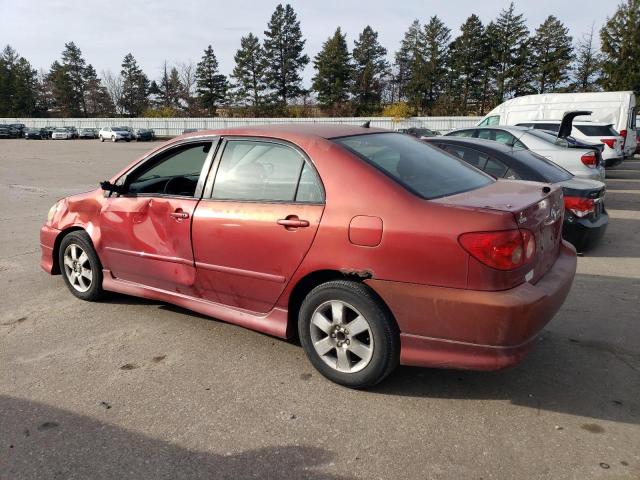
point(358, 273)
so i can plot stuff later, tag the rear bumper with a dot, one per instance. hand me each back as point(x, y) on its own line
point(584, 234)
point(477, 330)
point(47, 242)
point(612, 162)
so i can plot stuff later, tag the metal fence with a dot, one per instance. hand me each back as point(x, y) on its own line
point(175, 126)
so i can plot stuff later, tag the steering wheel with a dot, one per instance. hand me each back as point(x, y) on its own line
point(173, 180)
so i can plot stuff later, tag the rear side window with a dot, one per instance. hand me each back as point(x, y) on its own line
point(548, 171)
point(422, 169)
point(495, 168)
point(252, 170)
point(596, 130)
point(469, 155)
point(461, 133)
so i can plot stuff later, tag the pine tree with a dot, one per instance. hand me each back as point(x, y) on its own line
point(369, 69)
point(211, 85)
point(552, 54)
point(409, 62)
point(587, 67)
point(283, 50)
point(97, 101)
point(508, 37)
point(135, 87)
point(249, 73)
point(170, 89)
point(17, 84)
point(64, 104)
point(620, 44)
point(467, 61)
point(435, 40)
point(74, 69)
point(333, 71)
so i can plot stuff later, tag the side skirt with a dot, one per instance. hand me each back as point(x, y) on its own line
point(273, 323)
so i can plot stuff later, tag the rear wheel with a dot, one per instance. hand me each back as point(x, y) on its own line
point(81, 267)
point(348, 334)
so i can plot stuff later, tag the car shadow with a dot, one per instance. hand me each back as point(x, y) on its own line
point(39, 441)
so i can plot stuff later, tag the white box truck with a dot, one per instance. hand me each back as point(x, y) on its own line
point(616, 108)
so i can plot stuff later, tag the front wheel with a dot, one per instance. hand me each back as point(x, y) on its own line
point(101, 138)
point(114, 139)
point(348, 334)
point(81, 267)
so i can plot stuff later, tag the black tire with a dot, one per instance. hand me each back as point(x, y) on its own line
point(383, 328)
point(101, 138)
point(82, 239)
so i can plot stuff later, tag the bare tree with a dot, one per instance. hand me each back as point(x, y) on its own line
point(187, 72)
point(113, 84)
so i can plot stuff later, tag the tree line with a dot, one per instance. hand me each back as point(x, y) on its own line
point(431, 73)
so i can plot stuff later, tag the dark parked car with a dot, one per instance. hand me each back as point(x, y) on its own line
point(419, 132)
point(371, 246)
point(144, 134)
point(36, 133)
point(88, 133)
point(49, 129)
point(5, 131)
point(20, 128)
point(585, 219)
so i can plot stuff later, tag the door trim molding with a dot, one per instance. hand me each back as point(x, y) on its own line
point(244, 273)
point(151, 256)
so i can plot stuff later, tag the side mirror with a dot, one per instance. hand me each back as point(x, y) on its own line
point(110, 187)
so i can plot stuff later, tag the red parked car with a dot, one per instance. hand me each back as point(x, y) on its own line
point(371, 246)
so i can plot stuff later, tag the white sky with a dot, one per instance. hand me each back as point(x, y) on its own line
point(158, 30)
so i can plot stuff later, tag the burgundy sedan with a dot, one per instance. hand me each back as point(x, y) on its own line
point(370, 246)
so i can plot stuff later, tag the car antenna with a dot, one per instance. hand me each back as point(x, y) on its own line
point(366, 124)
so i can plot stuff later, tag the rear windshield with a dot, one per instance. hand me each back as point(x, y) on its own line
point(422, 169)
point(548, 137)
point(549, 171)
point(597, 130)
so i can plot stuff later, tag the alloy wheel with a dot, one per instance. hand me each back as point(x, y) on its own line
point(341, 336)
point(77, 267)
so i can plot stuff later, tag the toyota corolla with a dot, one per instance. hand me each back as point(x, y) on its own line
point(370, 246)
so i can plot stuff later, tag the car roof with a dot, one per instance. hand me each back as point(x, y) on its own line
point(481, 143)
point(509, 128)
point(575, 122)
point(292, 131)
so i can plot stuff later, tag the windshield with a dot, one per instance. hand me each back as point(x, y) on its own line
point(118, 129)
point(422, 169)
point(64, 130)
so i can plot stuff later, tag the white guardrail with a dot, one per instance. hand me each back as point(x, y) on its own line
point(175, 126)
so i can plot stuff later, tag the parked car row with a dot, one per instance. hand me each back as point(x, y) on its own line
point(113, 134)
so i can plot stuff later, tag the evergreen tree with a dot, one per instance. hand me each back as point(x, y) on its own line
point(211, 85)
point(17, 84)
point(74, 69)
point(508, 37)
point(283, 50)
point(97, 100)
point(135, 87)
point(409, 61)
point(249, 73)
point(333, 71)
point(170, 89)
point(620, 44)
point(587, 68)
point(369, 69)
point(552, 54)
point(435, 40)
point(64, 104)
point(467, 63)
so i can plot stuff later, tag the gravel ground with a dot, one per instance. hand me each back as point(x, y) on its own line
point(133, 389)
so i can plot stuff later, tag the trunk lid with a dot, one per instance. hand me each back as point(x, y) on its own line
point(537, 207)
point(584, 188)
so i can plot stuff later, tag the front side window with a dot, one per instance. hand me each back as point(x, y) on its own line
point(253, 170)
point(174, 172)
point(422, 169)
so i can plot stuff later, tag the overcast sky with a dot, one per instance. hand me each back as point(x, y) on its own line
point(158, 30)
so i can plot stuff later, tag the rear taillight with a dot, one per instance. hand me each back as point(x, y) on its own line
point(589, 159)
point(609, 142)
point(503, 250)
point(579, 206)
point(623, 133)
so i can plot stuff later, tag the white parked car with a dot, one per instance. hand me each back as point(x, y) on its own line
point(593, 132)
point(114, 134)
point(61, 134)
point(582, 162)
